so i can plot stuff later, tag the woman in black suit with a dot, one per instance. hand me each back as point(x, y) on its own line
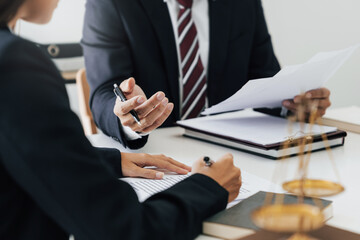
point(53, 183)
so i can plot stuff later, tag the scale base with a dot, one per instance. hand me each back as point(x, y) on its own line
point(301, 236)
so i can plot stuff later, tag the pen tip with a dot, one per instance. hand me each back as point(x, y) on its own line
point(115, 85)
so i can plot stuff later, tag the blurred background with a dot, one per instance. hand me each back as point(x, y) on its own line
point(299, 29)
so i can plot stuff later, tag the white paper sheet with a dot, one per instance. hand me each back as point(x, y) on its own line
point(289, 82)
point(251, 185)
point(254, 127)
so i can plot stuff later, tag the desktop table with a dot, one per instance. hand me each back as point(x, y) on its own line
point(346, 206)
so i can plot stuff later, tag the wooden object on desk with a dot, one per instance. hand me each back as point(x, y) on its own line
point(84, 98)
point(347, 118)
point(325, 233)
point(69, 75)
point(236, 221)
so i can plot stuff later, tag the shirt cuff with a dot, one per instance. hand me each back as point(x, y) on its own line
point(131, 135)
point(284, 112)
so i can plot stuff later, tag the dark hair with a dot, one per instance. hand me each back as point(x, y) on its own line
point(8, 10)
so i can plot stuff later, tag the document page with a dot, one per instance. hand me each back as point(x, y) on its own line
point(255, 127)
point(145, 188)
point(289, 82)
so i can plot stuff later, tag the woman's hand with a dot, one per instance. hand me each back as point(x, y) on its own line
point(133, 165)
point(224, 172)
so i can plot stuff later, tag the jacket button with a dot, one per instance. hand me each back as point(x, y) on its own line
point(116, 139)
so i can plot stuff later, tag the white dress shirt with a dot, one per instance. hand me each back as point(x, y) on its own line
point(200, 14)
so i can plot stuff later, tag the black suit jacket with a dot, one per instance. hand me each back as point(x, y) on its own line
point(54, 183)
point(125, 38)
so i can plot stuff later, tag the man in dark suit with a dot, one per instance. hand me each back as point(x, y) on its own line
point(197, 53)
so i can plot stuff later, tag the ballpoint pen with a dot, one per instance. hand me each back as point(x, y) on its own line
point(208, 161)
point(122, 97)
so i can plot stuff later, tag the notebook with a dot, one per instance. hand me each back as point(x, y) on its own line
point(259, 133)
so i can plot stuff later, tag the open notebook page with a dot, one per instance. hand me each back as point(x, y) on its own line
point(289, 82)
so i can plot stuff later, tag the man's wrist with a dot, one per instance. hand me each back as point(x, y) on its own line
point(130, 135)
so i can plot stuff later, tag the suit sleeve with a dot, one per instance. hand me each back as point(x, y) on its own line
point(263, 62)
point(45, 151)
point(112, 158)
point(108, 60)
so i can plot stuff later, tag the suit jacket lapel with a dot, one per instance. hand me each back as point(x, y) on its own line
point(160, 18)
point(219, 14)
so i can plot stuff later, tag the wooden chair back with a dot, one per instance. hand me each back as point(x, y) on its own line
point(84, 100)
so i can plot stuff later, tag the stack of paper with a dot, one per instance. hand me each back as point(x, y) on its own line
point(289, 82)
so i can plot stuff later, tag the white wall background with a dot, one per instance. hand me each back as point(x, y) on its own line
point(299, 28)
point(65, 26)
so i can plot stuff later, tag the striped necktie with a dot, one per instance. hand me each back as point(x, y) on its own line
point(193, 72)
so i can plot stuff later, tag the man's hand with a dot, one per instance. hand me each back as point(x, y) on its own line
point(318, 98)
point(133, 165)
point(224, 172)
point(152, 112)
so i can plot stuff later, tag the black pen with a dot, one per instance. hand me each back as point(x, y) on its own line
point(208, 161)
point(122, 97)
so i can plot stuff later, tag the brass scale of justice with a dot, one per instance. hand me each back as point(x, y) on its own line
point(300, 218)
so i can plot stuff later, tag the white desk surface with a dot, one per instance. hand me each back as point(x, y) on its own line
point(346, 206)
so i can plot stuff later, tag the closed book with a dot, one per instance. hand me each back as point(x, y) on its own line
point(261, 134)
point(235, 222)
point(325, 233)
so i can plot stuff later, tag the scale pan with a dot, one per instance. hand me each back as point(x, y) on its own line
point(313, 188)
point(288, 218)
